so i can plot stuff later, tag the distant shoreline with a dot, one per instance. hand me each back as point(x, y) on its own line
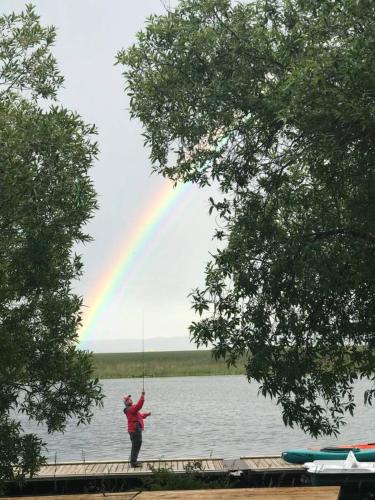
point(161, 364)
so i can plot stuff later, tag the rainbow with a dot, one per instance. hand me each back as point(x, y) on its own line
point(132, 248)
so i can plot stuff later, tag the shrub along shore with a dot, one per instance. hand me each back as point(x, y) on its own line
point(161, 364)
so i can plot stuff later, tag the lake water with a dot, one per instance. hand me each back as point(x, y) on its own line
point(220, 416)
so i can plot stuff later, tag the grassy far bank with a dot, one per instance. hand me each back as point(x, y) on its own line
point(161, 364)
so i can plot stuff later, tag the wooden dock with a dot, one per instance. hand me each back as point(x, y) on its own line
point(119, 476)
point(312, 493)
point(122, 468)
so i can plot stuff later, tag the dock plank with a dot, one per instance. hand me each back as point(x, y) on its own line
point(209, 465)
point(179, 466)
point(121, 468)
point(102, 469)
point(117, 468)
point(253, 463)
point(297, 493)
point(90, 468)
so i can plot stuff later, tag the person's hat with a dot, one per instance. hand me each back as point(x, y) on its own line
point(126, 398)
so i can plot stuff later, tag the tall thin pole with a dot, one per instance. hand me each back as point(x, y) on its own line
point(143, 349)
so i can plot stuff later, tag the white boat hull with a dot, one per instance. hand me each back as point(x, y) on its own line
point(340, 472)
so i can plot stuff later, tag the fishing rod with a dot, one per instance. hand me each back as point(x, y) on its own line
point(143, 350)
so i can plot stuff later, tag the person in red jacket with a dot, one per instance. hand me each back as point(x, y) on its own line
point(135, 425)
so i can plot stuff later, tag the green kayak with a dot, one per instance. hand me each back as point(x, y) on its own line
point(303, 455)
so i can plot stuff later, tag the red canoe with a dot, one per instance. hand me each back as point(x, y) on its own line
point(360, 446)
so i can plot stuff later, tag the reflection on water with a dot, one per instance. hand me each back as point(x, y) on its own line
point(192, 417)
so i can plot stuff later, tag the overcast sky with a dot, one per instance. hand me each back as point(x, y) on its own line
point(89, 34)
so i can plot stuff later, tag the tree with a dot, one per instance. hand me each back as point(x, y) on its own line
point(274, 102)
point(46, 197)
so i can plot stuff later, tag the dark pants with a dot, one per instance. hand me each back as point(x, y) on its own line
point(136, 439)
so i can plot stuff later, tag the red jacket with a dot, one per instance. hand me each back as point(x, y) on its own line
point(135, 416)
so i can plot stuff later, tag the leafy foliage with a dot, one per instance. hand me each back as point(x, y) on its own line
point(274, 102)
point(193, 478)
point(46, 197)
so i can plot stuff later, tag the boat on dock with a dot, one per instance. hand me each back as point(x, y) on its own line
point(341, 472)
point(303, 455)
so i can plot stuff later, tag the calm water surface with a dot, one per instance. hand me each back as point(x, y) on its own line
point(192, 417)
